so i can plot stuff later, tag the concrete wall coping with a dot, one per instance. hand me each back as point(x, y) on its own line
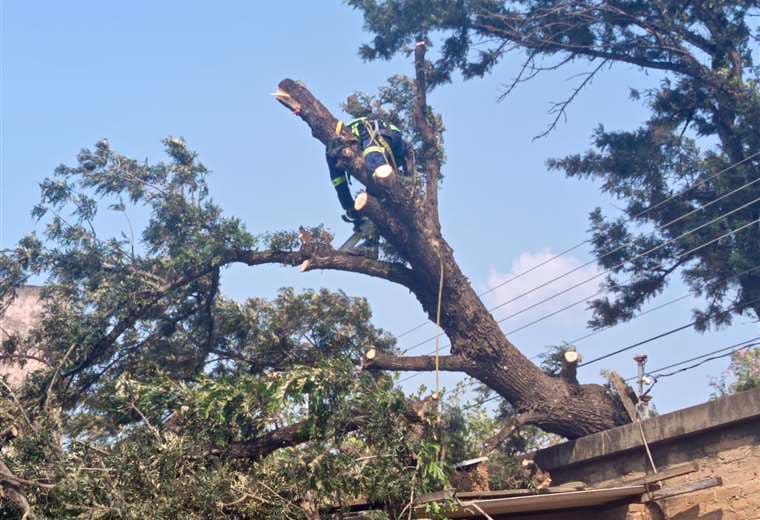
point(711, 415)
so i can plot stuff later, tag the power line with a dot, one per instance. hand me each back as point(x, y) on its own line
point(513, 278)
point(597, 331)
point(706, 360)
point(606, 271)
point(672, 331)
point(621, 264)
point(634, 217)
point(558, 311)
point(662, 335)
point(682, 255)
point(661, 306)
point(732, 348)
point(634, 258)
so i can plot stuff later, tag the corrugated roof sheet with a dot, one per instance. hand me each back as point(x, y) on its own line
point(547, 502)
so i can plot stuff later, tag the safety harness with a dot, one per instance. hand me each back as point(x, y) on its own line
point(374, 130)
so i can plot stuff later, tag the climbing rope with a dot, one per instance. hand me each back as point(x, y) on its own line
point(438, 330)
point(437, 393)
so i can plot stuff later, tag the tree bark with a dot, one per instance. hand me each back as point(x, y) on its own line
point(478, 346)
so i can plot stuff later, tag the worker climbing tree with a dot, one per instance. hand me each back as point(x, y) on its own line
point(160, 398)
point(384, 152)
point(425, 265)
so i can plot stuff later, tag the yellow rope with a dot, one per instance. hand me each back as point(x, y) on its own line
point(438, 329)
point(437, 394)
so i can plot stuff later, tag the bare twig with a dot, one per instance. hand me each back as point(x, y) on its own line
point(560, 108)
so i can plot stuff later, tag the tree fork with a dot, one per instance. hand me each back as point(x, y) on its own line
point(555, 404)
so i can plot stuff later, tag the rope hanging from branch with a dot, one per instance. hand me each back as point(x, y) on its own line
point(437, 394)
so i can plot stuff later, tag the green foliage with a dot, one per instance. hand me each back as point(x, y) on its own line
point(394, 103)
point(704, 119)
point(742, 374)
point(154, 378)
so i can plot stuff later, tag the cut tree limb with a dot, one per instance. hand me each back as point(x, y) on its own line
point(413, 231)
point(478, 345)
point(376, 360)
point(8, 435)
point(326, 258)
point(569, 371)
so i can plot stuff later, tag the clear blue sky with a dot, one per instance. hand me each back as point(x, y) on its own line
point(135, 72)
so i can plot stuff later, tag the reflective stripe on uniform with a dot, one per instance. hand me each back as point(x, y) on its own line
point(338, 181)
point(368, 150)
point(354, 126)
point(357, 120)
point(339, 127)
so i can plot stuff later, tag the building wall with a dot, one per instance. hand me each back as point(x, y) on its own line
point(18, 319)
point(721, 436)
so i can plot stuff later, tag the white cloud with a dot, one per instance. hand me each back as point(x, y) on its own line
point(515, 290)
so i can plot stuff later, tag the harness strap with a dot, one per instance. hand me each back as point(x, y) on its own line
point(370, 149)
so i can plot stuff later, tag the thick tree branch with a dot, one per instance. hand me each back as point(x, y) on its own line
point(568, 373)
point(543, 45)
point(11, 491)
point(303, 431)
point(375, 360)
point(429, 138)
point(327, 259)
point(312, 255)
point(397, 198)
point(295, 96)
point(285, 437)
point(569, 410)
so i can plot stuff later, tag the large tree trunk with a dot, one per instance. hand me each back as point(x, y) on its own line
point(479, 348)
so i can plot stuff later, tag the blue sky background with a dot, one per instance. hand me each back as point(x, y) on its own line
point(136, 72)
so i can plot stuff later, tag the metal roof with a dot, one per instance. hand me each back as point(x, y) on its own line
point(546, 502)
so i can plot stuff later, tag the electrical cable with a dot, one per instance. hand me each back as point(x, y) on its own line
point(686, 369)
point(672, 331)
point(731, 348)
point(634, 217)
point(661, 306)
point(638, 256)
point(662, 335)
point(602, 273)
point(732, 351)
point(648, 340)
point(682, 255)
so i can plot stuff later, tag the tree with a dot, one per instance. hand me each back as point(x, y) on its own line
point(410, 224)
point(743, 373)
point(153, 439)
point(138, 337)
point(703, 129)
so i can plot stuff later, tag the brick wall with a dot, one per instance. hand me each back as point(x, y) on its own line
point(721, 436)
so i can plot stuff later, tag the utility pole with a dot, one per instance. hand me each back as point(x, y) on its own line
point(643, 400)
